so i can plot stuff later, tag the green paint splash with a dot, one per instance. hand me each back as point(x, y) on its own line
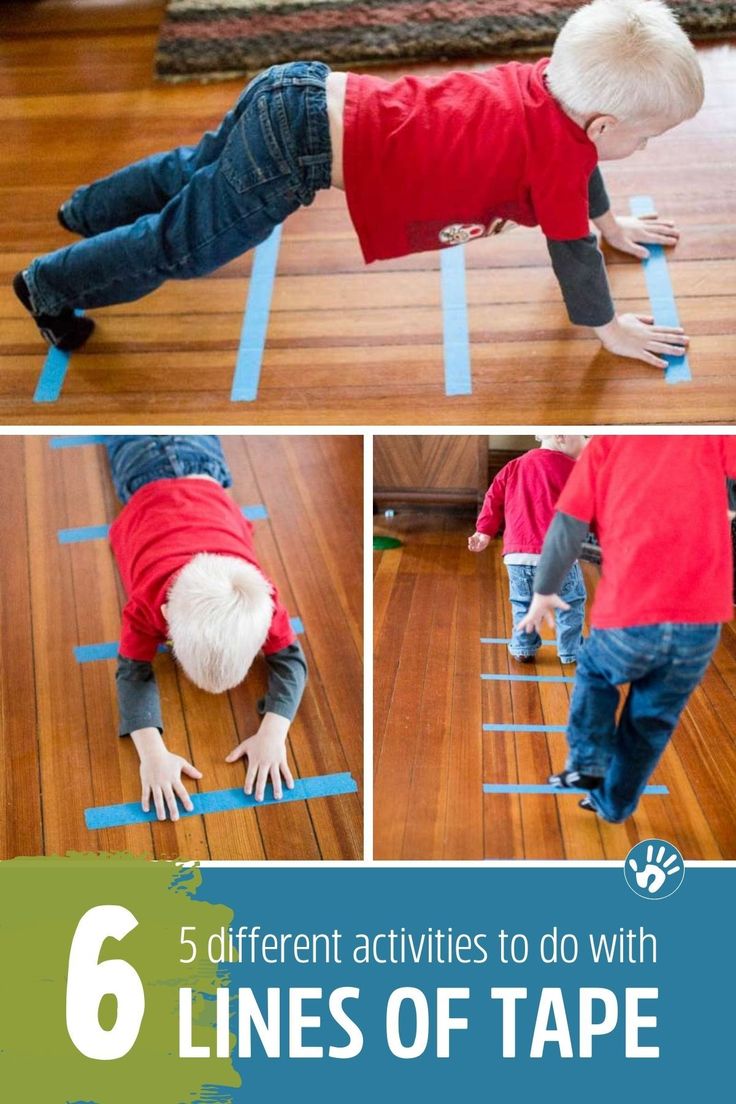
point(41, 903)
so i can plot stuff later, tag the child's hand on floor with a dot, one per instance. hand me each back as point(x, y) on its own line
point(478, 542)
point(541, 609)
point(161, 773)
point(266, 752)
point(636, 336)
point(627, 233)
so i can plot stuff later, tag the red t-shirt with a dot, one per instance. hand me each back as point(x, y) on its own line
point(430, 161)
point(523, 497)
point(658, 505)
point(163, 526)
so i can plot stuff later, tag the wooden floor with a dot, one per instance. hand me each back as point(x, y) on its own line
point(433, 602)
point(59, 752)
point(346, 343)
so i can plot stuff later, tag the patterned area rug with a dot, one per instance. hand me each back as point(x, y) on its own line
point(215, 39)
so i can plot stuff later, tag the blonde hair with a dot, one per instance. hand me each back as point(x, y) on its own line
point(219, 611)
point(626, 58)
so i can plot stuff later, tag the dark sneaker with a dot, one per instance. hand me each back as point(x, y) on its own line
point(574, 780)
point(65, 331)
point(61, 219)
point(522, 658)
point(567, 660)
point(587, 804)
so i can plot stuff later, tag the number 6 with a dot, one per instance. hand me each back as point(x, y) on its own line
point(89, 980)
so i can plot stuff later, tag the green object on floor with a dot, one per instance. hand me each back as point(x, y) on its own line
point(382, 543)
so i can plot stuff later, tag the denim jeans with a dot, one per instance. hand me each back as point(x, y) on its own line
point(185, 213)
point(569, 623)
point(663, 664)
point(137, 460)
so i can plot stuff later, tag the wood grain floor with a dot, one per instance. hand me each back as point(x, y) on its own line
point(346, 344)
point(433, 603)
point(59, 752)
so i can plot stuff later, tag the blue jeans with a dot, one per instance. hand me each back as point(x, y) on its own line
point(663, 664)
point(184, 213)
point(137, 460)
point(569, 623)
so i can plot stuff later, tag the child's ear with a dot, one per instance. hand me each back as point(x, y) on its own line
point(598, 126)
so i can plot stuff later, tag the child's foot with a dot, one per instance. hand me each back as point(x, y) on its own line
point(574, 780)
point(521, 658)
point(65, 331)
point(587, 804)
point(61, 218)
point(567, 660)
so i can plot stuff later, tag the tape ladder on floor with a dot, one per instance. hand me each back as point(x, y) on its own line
point(53, 374)
point(455, 329)
point(255, 321)
point(661, 296)
point(221, 801)
point(99, 532)
point(532, 788)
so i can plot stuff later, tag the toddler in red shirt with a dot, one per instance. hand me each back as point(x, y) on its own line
point(522, 499)
point(426, 163)
point(655, 619)
point(187, 563)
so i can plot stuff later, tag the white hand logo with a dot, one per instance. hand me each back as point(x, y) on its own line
point(656, 872)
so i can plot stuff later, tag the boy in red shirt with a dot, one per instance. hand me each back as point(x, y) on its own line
point(522, 499)
point(185, 556)
point(656, 619)
point(425, 163)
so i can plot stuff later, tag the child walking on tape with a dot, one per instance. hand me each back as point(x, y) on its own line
point(522, 499)
point(185, 556)
point(426, 163)
point(656, 618)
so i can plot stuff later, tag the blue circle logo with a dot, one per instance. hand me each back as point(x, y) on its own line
point(654, 869)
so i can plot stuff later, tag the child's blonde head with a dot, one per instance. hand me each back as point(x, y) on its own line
point(626, 58)
point(218, 611)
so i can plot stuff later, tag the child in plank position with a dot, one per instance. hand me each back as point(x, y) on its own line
point(186, 560)
point(425, 163)
point(656, 619)
point(522, 498)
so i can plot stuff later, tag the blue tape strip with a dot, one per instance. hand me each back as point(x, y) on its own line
point(513, 788)
point(89, 653)
point(523, 728)
point(456, 340)
point(221, 801)
point(255, 323)
point(53, 372)
point(99, 532)
point(504, 640)
point(527, 678)
point(660, 292)
point(71, 441)
point(85, 533)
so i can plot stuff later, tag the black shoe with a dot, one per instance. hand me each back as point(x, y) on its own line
point(574, 780)
point(522, 658)
point(61, 219)
point(587, 804)
point(65, 331)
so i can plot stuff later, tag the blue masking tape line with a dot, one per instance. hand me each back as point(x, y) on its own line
point(221, 801)
point(255, 323)
point(504, 640)
point(503, 788)
point(99, 532)
point(527, 678)
point(85, 533)
point(88, 653)
point(51, 380)
point(660, 292)
point(523, 728)
point(71, 441)
point(456, 339)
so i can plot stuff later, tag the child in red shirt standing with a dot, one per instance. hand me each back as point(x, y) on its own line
point(186, 559)
point(522, 498)
point(656, 619)
point(425, 163)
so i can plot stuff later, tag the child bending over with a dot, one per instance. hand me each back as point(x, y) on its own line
point(656, 618)
point(186, 560)
point(425, 162)
point(522, 498)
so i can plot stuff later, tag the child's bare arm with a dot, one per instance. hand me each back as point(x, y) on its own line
point(161, 773)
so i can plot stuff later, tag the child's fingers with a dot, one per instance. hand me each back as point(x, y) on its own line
point(288, 777)
point(145, 798)
point(190, 770)
point(158, 801)
point(276, 781)
point(262, 779)
point(647, 319)
point(650, 358)
point(236, 753)
point(668, 350)
point(183, 795)
point(675, 336)
point(171, 801)
point(250, 777)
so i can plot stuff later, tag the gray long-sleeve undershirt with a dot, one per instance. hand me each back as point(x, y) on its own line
point(562, 547)
point(580, 268)
point(139, 702)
